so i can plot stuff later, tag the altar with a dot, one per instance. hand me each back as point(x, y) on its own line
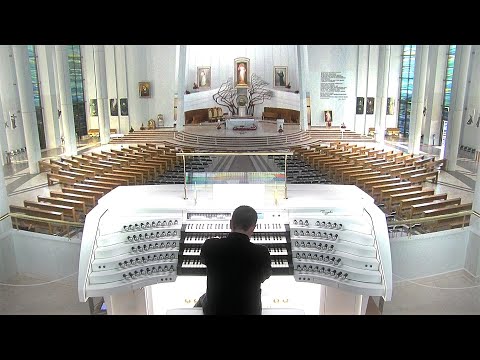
point(240, 123)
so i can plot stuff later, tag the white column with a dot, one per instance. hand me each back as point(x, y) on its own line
point(122, 88)
point(101, 86)
point(6, 224)
point(418, 96)
point(303, 86)
point(181, 86)
point(65, 100)
point(437, 62)
point(3, 137)
point(46, 75)
point(29, 116)
point(382, 93)
point(455, 115)
point(10, 99)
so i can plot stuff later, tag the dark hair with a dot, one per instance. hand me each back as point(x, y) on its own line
point(244, 217)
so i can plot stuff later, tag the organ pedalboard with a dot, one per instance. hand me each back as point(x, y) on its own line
point(271, 231)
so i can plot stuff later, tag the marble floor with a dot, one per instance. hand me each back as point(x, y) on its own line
point(452, 293)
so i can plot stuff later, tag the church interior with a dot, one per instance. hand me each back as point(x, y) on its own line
point(118, 161)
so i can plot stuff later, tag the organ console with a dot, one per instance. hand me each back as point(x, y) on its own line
point(329, 247)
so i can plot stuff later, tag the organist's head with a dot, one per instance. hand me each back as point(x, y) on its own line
point(244, 220)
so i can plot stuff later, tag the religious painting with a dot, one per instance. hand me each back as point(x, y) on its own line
point(242, 72)
point(390, 106)
point(144, 89)
point(204, 77)
point(113, 107)
point(370, 105)
point(93, 107)
point(280, 78)
point(328, 116)
point(124, 107)
point(360, 105)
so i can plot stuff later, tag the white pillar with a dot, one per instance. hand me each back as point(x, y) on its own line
point(65, 100)
point(101, 87)
point(455, 115)
point(122, 88)
point(181, 86)
point(29, 115)
point(437, 63)
point(46, 75)
point(10, 99)
point(303, 76)
point(470, 134)
point(382, 93)
point(418, 96)
point(6, 224)
point(3, 137)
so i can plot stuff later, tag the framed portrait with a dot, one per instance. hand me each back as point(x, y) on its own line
point(360, 105)
point(280, 76)
point(390, 106)
point(204, 77)
point(370, 105)
point(328, 116)
point(113, 107)
point(93, 107)
point(242, 72)
point(144, 89)
point(124, 107)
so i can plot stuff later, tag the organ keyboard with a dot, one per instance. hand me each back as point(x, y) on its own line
point(202, 226)
point(330, 235)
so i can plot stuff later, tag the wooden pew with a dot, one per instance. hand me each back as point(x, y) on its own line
point(361, 180)
point(37, 224)
point(418, 178)
point(62, 179)
point(114, 180)
point(89, 200)
point(412, 198)
point(77, 176)
point(386, 193)
point(377, 189)
point(84, 172)
point(104, 190)
point(68, 211)
point(97, 170)
point(447, 223)
point(399, 170)
point(96, 194)
point(101, 183)
point(405, 204)
point(78, 205)
point(368, 185)
point(418, 209)
point(123, 175)
point(63, 165)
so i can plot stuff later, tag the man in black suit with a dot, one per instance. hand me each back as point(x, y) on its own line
point(236, 268)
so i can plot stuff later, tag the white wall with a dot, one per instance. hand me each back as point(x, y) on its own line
point(472, 260)
point(45, 255)
point(428, 254)
point(471, 133)
point(221, 60)
point(161, 63)
point(8, 267)
point(334, 58)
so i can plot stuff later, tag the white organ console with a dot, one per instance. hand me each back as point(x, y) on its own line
point(329, 247)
